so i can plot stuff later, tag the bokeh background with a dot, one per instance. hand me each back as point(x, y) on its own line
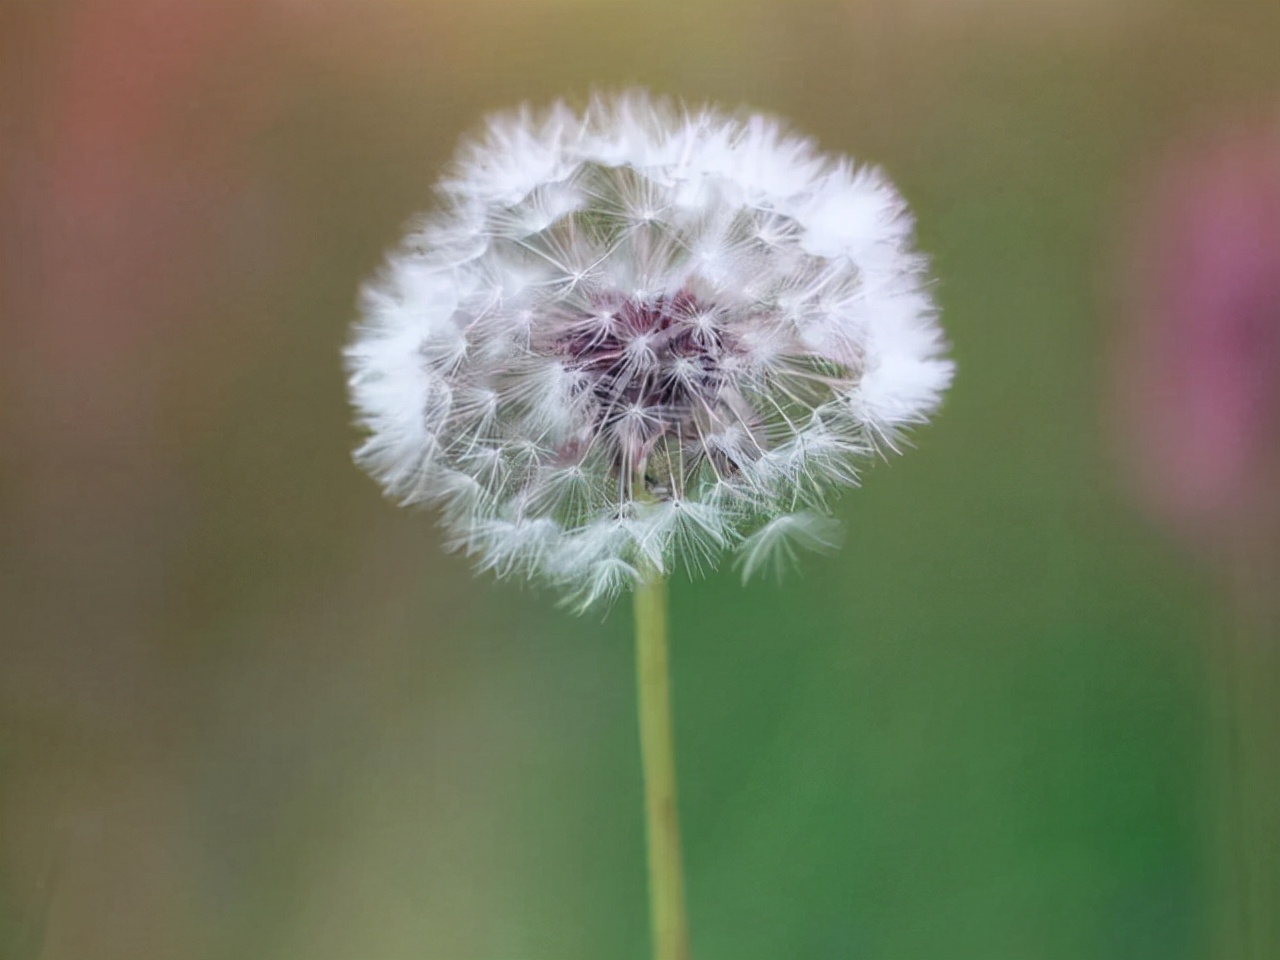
point(249, 709)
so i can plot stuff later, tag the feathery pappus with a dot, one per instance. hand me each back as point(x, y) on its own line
point(641, 338)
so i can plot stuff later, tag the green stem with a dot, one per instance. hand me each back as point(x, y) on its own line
point(666, 882)
point(1247, 754)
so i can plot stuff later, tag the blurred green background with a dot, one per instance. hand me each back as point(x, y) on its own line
point(249, 709)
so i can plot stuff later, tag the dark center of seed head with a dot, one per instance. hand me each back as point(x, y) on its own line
point(653, 355)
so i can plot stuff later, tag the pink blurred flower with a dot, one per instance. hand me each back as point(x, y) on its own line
point(1199, 373)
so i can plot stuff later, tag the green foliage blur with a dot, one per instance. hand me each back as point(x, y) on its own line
point(251, 710)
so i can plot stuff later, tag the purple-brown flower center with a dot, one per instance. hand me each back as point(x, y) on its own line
point(653, 366)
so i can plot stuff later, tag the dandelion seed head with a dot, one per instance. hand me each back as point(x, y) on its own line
point(643, 337)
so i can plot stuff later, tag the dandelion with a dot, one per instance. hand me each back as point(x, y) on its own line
point(634, 339)
point(640, 340)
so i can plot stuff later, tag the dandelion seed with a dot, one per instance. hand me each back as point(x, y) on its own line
point(643, 337)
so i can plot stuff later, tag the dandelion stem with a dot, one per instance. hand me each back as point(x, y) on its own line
point(669, 924)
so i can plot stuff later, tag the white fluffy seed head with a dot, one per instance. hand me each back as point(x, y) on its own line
point(641, 338)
